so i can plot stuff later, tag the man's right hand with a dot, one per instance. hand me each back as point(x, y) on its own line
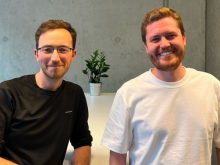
point(6, 162)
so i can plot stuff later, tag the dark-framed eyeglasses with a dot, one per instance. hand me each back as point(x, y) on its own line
point(60, 50)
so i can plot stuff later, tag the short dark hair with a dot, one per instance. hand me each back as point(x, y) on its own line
point(55, 24)
point(157, 14)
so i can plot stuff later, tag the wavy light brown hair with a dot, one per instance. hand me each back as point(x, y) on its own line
point(157, 14)
point(55, 24)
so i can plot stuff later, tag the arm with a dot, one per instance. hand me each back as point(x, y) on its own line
point(6, 162)
point(81, 156)
point(6, 111)
point(218, 155)
point(117, 159)
point(118, 133)
point(81, 138)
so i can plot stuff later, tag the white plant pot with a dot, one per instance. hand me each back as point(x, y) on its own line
point(95, 89)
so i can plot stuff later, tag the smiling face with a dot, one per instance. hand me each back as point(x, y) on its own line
point(165, 44)
point(54, 66)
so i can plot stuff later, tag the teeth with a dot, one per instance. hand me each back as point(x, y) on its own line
point(166, 53)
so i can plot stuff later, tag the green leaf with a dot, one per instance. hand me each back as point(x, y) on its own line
point(87, 61)
point(104, 69)
point(96, 53)
point(85, 71)
point(96, 80)
point(104, 75)
point(106, 64)
point(102, 60)
point(96, 72)
point(94, 66)
point(89, 65)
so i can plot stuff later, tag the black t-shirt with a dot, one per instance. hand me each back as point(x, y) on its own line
point(36, 125)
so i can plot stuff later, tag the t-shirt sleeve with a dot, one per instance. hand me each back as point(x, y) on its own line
point(118, 134)
point(216, 137)
point(6, 110)
point(81, 134)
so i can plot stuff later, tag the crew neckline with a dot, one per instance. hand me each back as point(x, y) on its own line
point(47, 92)
point(176, 84)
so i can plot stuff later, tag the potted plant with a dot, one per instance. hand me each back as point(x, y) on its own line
point(96, 66)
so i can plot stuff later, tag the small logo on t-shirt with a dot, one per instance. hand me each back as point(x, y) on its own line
point(68, 111)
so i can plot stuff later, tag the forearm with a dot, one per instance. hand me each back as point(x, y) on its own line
point(218, 155)
point(6, 162)
point(117, 159)
point(81, 156)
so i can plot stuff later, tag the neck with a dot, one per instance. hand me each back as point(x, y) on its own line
point(47, 83)
point(170, 76)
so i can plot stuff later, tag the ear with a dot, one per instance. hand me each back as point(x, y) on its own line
point(36, 55)
point(145, 44)
point(73, 55)
point(184, 39)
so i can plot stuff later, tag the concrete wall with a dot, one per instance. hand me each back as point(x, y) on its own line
point(213, 45)
point(111, 26)
point(193, 15)
point(213, 38)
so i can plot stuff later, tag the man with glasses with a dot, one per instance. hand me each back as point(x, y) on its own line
point(40, 113)
point(169, 115)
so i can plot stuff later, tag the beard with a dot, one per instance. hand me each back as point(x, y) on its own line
point(169, 66)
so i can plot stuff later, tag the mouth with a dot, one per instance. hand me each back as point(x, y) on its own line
point(166, 53)
point(55, 66)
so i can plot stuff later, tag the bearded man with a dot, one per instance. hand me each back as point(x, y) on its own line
point(170, 114)
point(40, 113)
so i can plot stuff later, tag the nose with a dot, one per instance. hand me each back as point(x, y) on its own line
point(55, 56)
point(164, 43)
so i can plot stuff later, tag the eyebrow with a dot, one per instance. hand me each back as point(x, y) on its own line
point(55, 47)
point(165, 33)
point(152, 37)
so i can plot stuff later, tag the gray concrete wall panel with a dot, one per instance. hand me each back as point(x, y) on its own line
point(194, 21)
point(212, 45)
point(213, 38)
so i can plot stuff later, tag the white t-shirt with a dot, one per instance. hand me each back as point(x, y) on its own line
point(166, 123)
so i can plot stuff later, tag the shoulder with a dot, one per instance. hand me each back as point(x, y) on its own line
point(134, 84)
point(200, 75)
point(71, 88)
point(130, 90)
point(203, 79)
point(15, 87)
point(16, 82)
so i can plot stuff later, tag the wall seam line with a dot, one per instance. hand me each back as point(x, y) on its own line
point(166, 3)
point(206, 35)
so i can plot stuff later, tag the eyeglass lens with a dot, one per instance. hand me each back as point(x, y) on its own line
point(49, 50)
